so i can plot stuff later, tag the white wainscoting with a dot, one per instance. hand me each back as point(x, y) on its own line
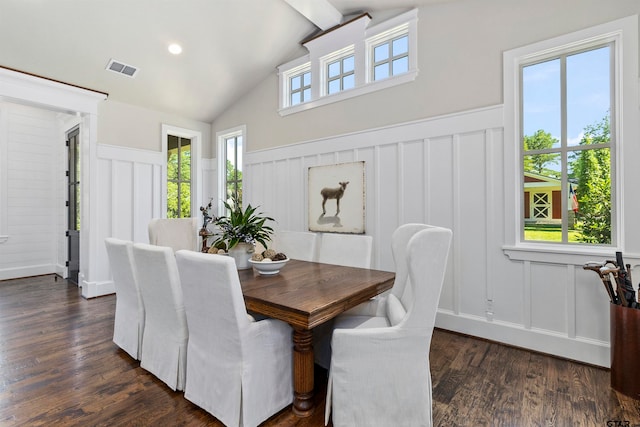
point(449, 171)
point(130, 185)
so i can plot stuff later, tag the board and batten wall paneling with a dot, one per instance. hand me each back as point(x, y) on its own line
point(130, 183)
point(447, 171)
point(131, 179)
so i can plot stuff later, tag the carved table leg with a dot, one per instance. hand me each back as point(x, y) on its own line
point(302, 372)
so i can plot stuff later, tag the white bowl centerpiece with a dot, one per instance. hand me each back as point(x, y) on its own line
point(268, 262)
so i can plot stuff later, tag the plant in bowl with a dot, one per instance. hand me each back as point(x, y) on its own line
point(242, 226)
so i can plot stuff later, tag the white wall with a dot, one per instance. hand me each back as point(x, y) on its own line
point(130, 184)
point(32, 140)
point(449, 171)
point(126, 125)
point(126, 195)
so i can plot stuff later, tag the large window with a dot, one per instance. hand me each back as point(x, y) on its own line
point(182, 174)
point(570, 133)
point(566, 146)
point(178, 177)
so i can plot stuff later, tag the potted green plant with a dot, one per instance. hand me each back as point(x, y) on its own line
point(240, 230)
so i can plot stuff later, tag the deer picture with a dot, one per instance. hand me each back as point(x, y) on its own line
point(333, 193)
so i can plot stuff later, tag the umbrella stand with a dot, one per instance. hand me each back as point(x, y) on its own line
point(625, 346)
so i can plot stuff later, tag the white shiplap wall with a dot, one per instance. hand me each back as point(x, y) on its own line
point(33, 199)
point(449, 171)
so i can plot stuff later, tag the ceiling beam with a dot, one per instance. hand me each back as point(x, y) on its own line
point(322, 13)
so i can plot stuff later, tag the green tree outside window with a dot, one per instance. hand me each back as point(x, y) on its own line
point(179, 178)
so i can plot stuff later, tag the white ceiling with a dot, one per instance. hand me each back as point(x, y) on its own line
point(229, 46)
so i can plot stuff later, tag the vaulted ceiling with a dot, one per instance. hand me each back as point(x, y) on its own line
point(229, 46)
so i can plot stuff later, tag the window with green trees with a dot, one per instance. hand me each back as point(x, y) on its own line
point(233, 148)
point(178, 177)
point(566, 146)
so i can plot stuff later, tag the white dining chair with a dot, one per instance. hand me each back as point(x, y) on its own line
point(165, 336)
point(380, 373)
point(238, 369)
point(128, 324)
point(375, 306)
point(352, 250)
point(399, 244)
point(299, 245)
point(177, 233)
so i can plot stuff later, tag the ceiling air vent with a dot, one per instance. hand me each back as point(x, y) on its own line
point(122, 68)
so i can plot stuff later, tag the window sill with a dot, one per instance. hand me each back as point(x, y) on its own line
point(361, 90)
point(561, 254)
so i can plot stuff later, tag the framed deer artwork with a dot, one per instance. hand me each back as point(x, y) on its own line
point(337, 198)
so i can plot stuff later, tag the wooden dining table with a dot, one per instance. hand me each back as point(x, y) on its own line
point(306, 294)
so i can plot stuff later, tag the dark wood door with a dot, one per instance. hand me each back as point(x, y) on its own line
point(73, 182)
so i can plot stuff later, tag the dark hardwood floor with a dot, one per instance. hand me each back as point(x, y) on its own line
point(58, 366)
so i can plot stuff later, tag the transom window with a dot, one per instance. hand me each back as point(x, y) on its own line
point(391, 58)
point(341, 75)
point(350, 60)
point(300, 88)
point(566, 143)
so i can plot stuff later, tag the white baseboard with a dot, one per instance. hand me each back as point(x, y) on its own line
point(62, 271)
point(27, 271)
point(580, 349)
point(97, 289)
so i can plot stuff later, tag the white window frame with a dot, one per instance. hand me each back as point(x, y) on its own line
point(196, 170)
point(384, 38)
point(303, 87)
point(340, 55)
point(623, 34)
point(333, 43)
point(221, 138)
point(285, 80)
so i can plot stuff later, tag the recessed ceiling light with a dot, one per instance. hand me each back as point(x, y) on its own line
point(175, 48)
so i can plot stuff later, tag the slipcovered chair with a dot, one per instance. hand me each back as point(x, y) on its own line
point(375, 307)
point(129, 317)
point(177, 233)
point(296, 244)
point(380, 373)
point(399, 244)
point(239, 370)
point(350, 250)
point(165, 337)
